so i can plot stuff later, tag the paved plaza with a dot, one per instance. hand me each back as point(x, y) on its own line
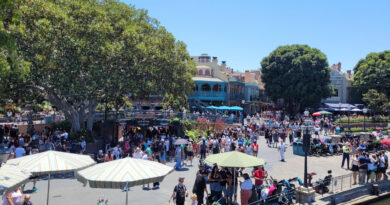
point(70, 191)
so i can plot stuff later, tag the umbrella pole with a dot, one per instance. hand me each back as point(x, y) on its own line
point(234, 186)
point(48, 188)
point(127, 193)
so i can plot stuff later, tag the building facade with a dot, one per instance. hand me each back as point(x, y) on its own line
point(211, 83)
point(340, 83)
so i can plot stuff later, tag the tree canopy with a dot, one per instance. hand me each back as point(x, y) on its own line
point(298, 75)
point(81, 53)
point(376, 101)
point(373, 72)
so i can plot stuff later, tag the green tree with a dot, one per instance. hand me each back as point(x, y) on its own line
point(373, 72)
point(298, 75)
point(377, 102)
point(83, 53)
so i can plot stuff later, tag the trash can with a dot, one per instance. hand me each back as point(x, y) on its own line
point(297, 149)
point(48, 119)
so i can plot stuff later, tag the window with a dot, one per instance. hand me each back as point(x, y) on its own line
point(206, 87)
point(225, 89)
point(336, 92)
point(217, 88)
point(200, 72)
point(207, 72)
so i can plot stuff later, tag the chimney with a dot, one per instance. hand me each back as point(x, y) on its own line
point(223, 65)
point(339, 66)
point(349, 73)
point(215, 59)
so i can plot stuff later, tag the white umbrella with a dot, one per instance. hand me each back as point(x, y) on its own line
point(11, 177)
point(51, 162)
point(126, 172)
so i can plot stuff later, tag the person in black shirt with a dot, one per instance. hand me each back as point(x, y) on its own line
point(180, 191)
point(200, 186)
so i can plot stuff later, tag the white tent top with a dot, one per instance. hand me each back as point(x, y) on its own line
point(119, 173)
point(11, 177)
point(51, 162)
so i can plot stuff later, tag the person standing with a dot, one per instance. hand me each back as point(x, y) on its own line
point(282, 149)
point(246, 189)
point(178, 155)
point(255, 148)
point(355, 168)
point(180, 191)
point(346, 151)
point(203, 149)
point(200, 186)
point(13, 198)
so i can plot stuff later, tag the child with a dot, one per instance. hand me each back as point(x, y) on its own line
point(194, 199)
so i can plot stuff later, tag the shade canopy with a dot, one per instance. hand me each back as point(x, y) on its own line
point(124, 172)
point(181, 141)
point(223, 108)
point(325, 113)
point(51, 162)
point(236, 108)
point(356, 110)
point(234, 159)
point(211, 107)
point(11, 177)
point(316, 114)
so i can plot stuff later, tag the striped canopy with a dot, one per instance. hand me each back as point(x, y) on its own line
point(11, 177)
point(51, 162)
point(119, 173)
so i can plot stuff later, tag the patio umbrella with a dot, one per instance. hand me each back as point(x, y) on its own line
point(325, 113)
point(211, 107)
point(11, 177)
point(234, 159)
point(126, 172)
point(181, 141)
point(343, 109)
point(356, 110)
point(223, 108)
point(316, 114)
point(236, 108)
point(52, 162)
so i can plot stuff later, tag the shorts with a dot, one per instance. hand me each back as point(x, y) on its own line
point(355, 168)
point(190, 154)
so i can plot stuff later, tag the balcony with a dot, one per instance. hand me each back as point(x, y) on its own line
point(208, 95)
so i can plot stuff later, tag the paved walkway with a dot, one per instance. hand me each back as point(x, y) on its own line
point(70, 191)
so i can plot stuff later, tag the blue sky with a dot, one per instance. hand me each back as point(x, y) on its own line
point(243, 32)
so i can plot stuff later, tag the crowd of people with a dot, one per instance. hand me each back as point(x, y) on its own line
point(159, 143)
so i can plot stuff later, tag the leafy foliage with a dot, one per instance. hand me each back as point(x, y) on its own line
point(377, 102)
point(82, 53)
point(298, 75)
point(373, 72)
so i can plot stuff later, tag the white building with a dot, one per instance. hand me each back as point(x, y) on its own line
point(339, 82)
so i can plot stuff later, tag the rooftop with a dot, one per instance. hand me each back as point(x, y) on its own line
point(207, 79)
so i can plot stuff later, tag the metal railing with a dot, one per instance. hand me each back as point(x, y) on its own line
point(340, 183)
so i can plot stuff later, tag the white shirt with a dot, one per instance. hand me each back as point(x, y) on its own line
point(247, 185)
point(138, 155)
point(19, 152)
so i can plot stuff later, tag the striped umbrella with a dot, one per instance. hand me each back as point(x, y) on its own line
point(52, 162)
point(11, 177)
point(126, 172)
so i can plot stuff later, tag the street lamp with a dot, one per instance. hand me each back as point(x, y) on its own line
point(349, 126)
point(306, 130)
point(364, 119)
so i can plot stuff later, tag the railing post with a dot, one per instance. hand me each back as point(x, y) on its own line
point(350, 180)
point(342, 178)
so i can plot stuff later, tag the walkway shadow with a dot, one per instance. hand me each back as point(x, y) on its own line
point(182, 169)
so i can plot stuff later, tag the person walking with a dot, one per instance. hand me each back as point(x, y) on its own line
point(282, 149)
point(203, 149)
point(178, 155)
point(200, 186)
point(180, 192)
point(246, 189)
point(346, 150)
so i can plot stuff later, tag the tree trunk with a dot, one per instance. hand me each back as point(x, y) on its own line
point(91, 115)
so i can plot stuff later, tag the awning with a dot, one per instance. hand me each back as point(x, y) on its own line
point(339, 106)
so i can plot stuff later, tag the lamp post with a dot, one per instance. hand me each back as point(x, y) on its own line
point(349, 126)
point(364, 119)
point(306, 130)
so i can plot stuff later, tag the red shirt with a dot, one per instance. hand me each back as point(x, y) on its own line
point(259, 174)
point(255, 147)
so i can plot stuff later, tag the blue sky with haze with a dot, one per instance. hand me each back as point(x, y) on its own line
point(243, 32)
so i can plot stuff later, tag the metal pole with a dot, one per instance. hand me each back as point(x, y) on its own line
point(234, 183)
point(127, 193)
point(349, 126)
point(48, 189)
point(364, 122)
point(305, 171)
